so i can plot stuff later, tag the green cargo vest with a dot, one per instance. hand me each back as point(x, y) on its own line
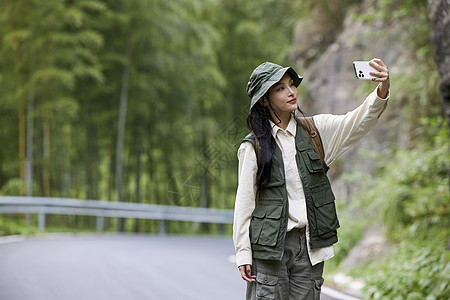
point(270, 216)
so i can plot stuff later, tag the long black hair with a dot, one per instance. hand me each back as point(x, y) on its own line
point(258, 122)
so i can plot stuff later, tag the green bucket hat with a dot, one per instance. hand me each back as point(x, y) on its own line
point(264, 76)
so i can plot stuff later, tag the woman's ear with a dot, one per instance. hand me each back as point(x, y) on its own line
point(263, 101)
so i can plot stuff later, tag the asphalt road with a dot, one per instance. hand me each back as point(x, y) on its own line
point(109, 267)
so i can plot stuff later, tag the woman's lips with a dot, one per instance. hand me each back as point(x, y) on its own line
point(293, 101)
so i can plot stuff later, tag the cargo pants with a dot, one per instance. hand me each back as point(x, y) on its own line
point(289, 279)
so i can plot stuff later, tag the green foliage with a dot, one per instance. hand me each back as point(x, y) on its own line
point(416, 270)
point(10, 226)
point(387, 10)
point(11, 187)
point(410, 197)
point(411, 192)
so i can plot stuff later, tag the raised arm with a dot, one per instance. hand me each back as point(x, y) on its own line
point(340, 132)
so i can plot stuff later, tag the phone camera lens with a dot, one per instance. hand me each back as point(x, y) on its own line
point(361, 74)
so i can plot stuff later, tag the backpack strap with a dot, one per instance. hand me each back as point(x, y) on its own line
point(313, 135)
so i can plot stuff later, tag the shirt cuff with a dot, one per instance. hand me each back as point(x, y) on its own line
point(388, 94)
point(382, 101)
point(243, 257)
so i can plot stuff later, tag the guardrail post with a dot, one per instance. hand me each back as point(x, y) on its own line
point(162, 227)
point(41, 222)
point(222, 229)
point(100, 223)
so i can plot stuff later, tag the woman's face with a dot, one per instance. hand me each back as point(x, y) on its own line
point(283, 96)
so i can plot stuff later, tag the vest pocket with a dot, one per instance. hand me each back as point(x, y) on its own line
point(275, 183)
point(266, 222)
point(313, 161)
point(325, 210)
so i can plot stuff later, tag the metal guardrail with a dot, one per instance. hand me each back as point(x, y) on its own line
point(101, 209)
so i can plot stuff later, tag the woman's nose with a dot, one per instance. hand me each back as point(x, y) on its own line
point(290, 90)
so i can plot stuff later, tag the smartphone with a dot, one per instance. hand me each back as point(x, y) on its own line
point(362, 69)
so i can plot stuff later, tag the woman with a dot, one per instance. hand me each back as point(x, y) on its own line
point(285, 219)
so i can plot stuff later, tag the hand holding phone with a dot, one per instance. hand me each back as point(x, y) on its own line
point(363, 69)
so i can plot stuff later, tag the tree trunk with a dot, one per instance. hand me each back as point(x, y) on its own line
point(92, 162)
point(29, 149)
point(112, 168)
point(440, 19)
point(121, 130)
point(21, 114)
point(46, 157)
point(204, 197)
point(29, 145)
point(138, 172)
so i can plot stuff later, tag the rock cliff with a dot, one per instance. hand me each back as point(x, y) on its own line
point(330, 85)
point(440, 18)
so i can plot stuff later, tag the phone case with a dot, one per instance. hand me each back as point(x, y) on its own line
point(362, 69)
